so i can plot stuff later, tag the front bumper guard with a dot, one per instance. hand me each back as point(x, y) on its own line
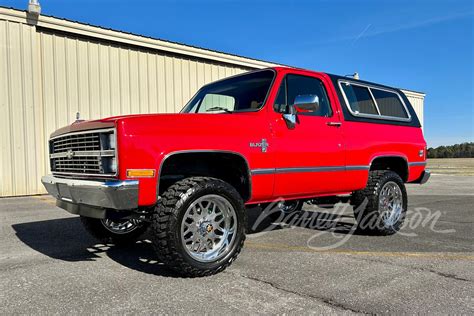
point(91, 197)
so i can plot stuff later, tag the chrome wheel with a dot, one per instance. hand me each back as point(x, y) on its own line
point(390, 204)
point(289, 207)
point(208, 228)
point(121, 227)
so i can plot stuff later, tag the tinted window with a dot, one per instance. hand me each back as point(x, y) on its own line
point(280, 101)
point(389, 103)
point(359, 99)
point(217, 100)
point(295, 85)
point(240, 93)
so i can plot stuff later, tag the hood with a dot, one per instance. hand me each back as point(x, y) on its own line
point(165, 121)
point(79, 126)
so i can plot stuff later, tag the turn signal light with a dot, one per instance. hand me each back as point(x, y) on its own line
point(140, 173)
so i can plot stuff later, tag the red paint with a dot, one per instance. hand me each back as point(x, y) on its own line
point(144, 140)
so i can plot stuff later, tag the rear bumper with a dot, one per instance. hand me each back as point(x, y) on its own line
point(73, 194)
point(425, 175)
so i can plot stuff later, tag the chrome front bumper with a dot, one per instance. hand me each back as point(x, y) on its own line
point(77, 196)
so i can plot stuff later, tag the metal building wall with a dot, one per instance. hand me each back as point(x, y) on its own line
point(52, 68)
point(21, 111)
point(47, 76)
point(417, 100)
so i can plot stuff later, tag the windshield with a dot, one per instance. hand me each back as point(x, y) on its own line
point(242, 93)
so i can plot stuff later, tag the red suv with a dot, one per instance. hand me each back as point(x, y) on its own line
point(275, 134)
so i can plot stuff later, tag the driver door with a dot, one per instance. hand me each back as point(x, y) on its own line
point(309, 157)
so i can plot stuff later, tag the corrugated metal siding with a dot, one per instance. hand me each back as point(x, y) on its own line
point(47, 77)
point(21, 131)
point(417, 101)
point(50, 71)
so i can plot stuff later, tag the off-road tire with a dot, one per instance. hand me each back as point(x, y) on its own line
point(166, 225)
point(95, 227)
point(368, 218)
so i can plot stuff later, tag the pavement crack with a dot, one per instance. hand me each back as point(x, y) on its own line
point(325, 300)
point(447, 275)
point(439, 273)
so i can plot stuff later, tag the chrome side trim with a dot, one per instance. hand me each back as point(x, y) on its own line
point(418, 163)
point(308, 169)
point(361, 167)
point(263, 171)
point(379, 116)
point(168, 155)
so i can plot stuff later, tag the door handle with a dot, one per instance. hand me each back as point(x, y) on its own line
point(335, 124)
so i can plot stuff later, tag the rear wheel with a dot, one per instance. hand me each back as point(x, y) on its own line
point(119, 232)
point(198, 227)
point(381, 207)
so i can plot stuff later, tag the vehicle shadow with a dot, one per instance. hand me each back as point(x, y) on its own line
point(65, 239)
point(310, 219)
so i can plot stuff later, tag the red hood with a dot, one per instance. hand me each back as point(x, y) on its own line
point(107, 122)
point(167, 121)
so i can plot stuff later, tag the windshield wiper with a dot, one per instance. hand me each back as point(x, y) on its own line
point(218, 108)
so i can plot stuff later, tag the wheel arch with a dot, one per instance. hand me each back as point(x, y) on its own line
point(397, 163)
point(202, 161)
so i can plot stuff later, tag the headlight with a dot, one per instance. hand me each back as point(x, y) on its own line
point(109, 164)
point(111, 141)
point(113, 165)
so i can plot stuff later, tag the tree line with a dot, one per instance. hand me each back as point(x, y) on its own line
point(464, 150)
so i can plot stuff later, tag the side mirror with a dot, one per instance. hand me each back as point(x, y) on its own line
point(290, 117)
point(306, 103)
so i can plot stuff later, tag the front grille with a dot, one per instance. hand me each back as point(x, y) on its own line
point(77, 142)
point(84, 153)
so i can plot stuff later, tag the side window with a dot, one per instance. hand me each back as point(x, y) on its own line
point(280, 101)
point(295, 85)
point(377, 102)
point(359, 99)
point(301, 85)
point(389, 103)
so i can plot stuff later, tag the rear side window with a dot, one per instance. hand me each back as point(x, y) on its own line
point(373, 102)
point(359, 99)
point(389, 104)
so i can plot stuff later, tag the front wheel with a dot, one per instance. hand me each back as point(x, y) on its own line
point(120, 232)
point(381, 207)
point(198, 227)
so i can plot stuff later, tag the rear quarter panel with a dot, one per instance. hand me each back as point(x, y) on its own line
point(366, 141)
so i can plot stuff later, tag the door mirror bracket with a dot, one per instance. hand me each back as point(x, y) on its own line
point(290, 117)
